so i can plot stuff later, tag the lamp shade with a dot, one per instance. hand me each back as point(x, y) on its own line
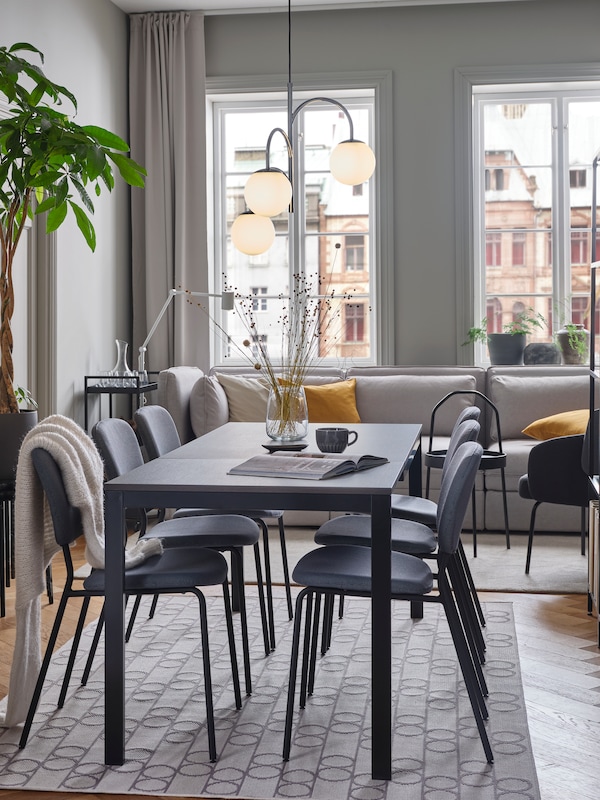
point(352, 162)
point(268, 192)
point(252, 233)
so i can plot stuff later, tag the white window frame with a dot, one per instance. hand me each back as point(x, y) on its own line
point(469, 291)
point(381, 201)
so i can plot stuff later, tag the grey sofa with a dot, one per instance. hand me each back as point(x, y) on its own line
point(200, 403)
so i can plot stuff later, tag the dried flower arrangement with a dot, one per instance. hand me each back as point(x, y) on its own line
point(308, 327)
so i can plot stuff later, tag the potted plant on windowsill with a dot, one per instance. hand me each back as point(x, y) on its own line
point(574, 343)
point(507, 347)
point(46, 163)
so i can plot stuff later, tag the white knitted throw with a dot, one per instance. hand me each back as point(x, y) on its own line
point(35, 545)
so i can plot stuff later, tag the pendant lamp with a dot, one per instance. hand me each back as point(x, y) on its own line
point(268, 192)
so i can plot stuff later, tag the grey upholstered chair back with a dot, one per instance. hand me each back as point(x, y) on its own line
point(66, 519)
point(455, 492)
point(157, 430)
point(118, 446)
point(467, 431)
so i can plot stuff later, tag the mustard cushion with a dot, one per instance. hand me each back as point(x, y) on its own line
point(568, 423)
point(332, 402)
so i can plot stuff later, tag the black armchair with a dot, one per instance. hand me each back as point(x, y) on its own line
point(557, 472)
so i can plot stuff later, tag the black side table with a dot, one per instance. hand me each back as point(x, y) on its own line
point(132, 386)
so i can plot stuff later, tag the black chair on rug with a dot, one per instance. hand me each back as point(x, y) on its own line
point(417, 539)
point(174, 571)
point(491, 459)
point(347, 569)
point(158, 434)
point(557, 472)
point(120, 451)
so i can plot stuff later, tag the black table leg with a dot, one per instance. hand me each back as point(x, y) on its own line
point(114, 631)
point(381, 642)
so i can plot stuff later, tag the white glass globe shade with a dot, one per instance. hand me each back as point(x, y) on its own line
point(352, 162)
point(268, 192)
point(252, 234)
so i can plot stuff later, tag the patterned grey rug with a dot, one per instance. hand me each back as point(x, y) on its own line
point(437, 751)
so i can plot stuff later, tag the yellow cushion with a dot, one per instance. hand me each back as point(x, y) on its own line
point(332, 402)
point(568, 423)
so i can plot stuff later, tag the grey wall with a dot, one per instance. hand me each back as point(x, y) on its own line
point(422, 47)
point(85, 47)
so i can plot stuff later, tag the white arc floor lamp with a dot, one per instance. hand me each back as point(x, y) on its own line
point(227, 304)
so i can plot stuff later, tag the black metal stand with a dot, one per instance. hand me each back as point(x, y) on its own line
point(103, 385)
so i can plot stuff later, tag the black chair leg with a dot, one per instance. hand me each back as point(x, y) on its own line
point(235, 674)
point(268, 583)
point(286, 569)
point(49, 585)
point(93, 648)
point(261, 600)
point(210, 714)
point(471, 583)
point(474, 510)
point(505, 505)
point(44, 669)
point(530, 541)
point(72, 655)
point(287, 735)
point(237, 557)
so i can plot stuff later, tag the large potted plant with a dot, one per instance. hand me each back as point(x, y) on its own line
point(46, 162)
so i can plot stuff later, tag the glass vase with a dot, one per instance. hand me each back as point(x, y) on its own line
point(121, 374)
point(287, 414)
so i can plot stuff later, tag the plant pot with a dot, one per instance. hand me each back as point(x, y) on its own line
point(13, 429)
point(506, 348)
point(574, 344)
point(541, 353)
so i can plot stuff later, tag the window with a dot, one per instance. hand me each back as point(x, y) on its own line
point(579, 247)
point(354, 322)
point(259, 293)
point(355, 253)
point(518, 249)
point(532, 225)
point(577, 178)
point(493, 250)
point(330, 237)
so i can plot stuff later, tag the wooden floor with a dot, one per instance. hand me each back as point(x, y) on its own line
point(560, 662)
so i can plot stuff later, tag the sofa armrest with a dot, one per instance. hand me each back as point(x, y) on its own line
point(174, 391)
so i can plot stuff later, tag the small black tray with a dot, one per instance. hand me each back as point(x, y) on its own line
point(273, 447)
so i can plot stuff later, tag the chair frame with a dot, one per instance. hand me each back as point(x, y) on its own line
point(491, 459)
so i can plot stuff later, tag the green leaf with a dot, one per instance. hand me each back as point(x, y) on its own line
point(85, 225)
point(56, 217)
point(130, 171)
point(45, 205)
point(106, 138)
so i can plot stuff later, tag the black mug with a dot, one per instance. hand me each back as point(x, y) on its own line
point(334, 440)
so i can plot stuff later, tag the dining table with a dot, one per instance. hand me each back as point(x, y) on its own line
point(197, 475)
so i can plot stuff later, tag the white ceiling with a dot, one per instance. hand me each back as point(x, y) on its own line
point(266, 6)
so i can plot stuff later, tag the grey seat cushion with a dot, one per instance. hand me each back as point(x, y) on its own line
point(348, 569)
point(407, 536)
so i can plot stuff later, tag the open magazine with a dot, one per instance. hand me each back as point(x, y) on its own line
point(307, 466)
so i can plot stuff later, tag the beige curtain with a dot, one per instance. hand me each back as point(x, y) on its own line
point(168, 136)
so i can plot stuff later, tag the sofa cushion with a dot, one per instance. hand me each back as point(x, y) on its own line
point(208, 405)
point(568, 423)
point(520, 401)
point(247, 397)
point(332, 402)
point(411, 398)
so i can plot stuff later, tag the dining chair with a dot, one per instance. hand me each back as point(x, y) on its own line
point(174, 571)
point(120, 451)
point(158, 434)
point(491, 458)
point(417, 538)
point(347, 568)
point(557, 472)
